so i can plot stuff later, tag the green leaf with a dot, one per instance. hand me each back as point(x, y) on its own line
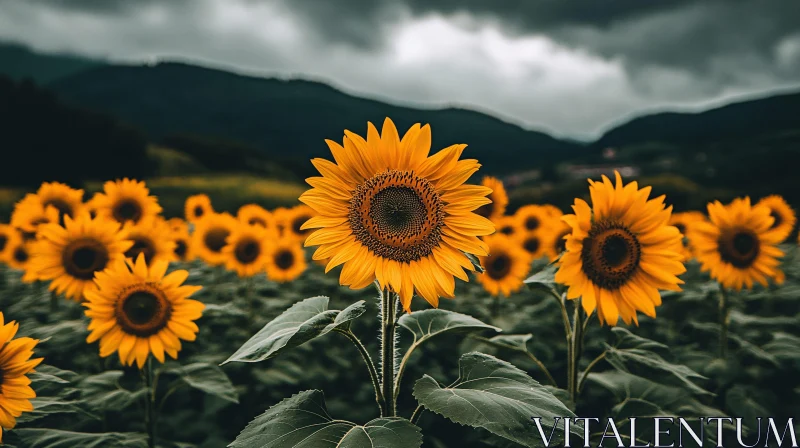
point(44, 406)
point(628, 340)
point(208, 378)
point(102, 392)
point(299, 324)
point(347, 315)
point(545, 278)
point(494, 395)
point(48, 374)
point(785, 347)
point(518, 342)
point(55, 438)
point(428, 323)
point(303, 421)
point(476, 263)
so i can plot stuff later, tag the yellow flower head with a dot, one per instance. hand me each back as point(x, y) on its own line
point(15, 364)
point(285, 261)
point(137, 310)
point(533, 217)
point(126, 200)
point(197, 206)
point(508, 226)
point(152, 238)
point(498, 196)
point(210, 235)
point(29, 213)
point(387, 210)
point(782, 214)
point(621, 252)
point(292, 220)
point(684, 221)
point(246, 249)
point(256, 215)
point(738, 244)
point(505, 267)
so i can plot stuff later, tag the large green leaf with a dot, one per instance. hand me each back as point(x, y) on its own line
point(44, 406)
point(302, 421)
point(347, 316)
point(544, 278)
point(494, 395)
point(208, 378)
point(54, 438)
point(299, 324)
point(102, 392)
point(432, 322)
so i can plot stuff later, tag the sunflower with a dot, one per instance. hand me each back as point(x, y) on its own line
point(782, 213)
point(72, 254)
point(256, 215)
point(498, 196)
point(197, 206)
point(388, 211)
point(15, 364)
point(246, 250)
point(552, 211)
point(285, 260)
point(209, 235)
point(127, 200)
point(137, 310)
point(554, 238)
point(152, 238)
point(738, 245)
point(505, 267)
point(18, 252)
point(178, 225)
point(7, 234)
point(68, 201)
point(532, 217)
point(182, 241)
point(621, 252)
point(91, 204)
point(293, 220)
point(508, 226)
point(29, 213)
point(683, 221)
point(533, 242)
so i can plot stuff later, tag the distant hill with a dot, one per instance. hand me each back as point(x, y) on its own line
point(727, 123)
point(288, 118)
point(19, 62)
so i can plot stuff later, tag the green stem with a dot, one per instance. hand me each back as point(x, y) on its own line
point(589, 369)
point(574, 352)
point(149, 406)
point(416, 415)
point(724, 320)
point(388, 346)
point(561, 299)
point(373, 372)
point(543, 368)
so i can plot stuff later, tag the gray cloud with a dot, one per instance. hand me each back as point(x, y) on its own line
point(570, 66)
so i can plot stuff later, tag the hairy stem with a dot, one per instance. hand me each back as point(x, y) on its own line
point(388, 347)
point(149, 405)
point(373, 372)
point(574, 352)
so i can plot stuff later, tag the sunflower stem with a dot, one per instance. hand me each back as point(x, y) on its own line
point(574, 350)
point(388, 347)
point(724, 320)
point(149, 406)
point(373, 372)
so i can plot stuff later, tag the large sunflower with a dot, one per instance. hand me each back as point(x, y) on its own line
point(209, 235)
point(197, 206)
point(621, 252)
point(246, 249)
point(137, 310)
point(508, 226)
point(388, 211)
point(533, 217)
point(152, 238)
point(70, 256)
point(286, 260)
point(683, 222)
point(256, 215)
point(782, 214)
point(505, 267)
point(738, 245)
point(498, 196)
point(29, 213)
point(126, 200)
point(68, 201)
point(15, 364)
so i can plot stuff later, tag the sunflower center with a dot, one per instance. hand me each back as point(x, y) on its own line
point(198, 211)
point(180, 249)
point(610, 254)
point(507, 230)
point(298, 222)
point(127, 210)
point(247, 251)
point(531, 244)
point(3, 242)
point(397, 215)
point(215, 238)
point(532, 223)
point(257, 222)
point(142, 245)
point(142, 310)
point(485, 210)
point(739, 248)
point(284, 259)
point(82, 258)
point(777, 217)
point(63, 207)
point(21, 255)
point(561, 243)
point(498, 266)
point(681, 228)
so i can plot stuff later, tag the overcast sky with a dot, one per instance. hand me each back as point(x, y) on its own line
point(570, 67)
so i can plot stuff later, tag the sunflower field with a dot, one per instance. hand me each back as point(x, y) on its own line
point(399, 305)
